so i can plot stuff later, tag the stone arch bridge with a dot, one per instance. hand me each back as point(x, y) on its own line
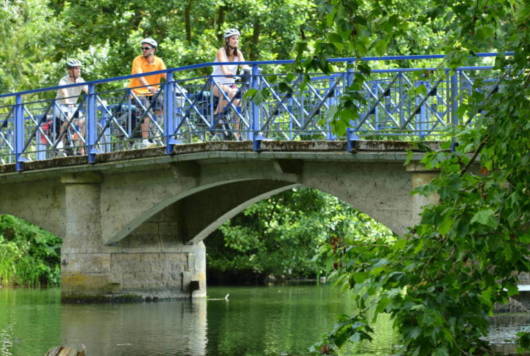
point(133, 222)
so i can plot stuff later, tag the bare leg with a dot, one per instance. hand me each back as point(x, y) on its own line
point(231, 92)
point(145, 128)
point(80, 144)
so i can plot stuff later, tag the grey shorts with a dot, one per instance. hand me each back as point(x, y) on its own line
point(156, 104)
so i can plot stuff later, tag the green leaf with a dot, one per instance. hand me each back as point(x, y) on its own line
point(485, 217)
point(525, 238)
point(446, 224)
point(360, 277)
point(523, 341)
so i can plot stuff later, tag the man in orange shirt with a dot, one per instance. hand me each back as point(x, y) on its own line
point(147, 87)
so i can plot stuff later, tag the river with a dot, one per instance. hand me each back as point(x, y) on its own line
point(284, 320)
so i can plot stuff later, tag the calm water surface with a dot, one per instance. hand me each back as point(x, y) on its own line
point(255, 321)
point(283, 320)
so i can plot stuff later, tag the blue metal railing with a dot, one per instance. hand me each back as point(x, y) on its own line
point(406, 103)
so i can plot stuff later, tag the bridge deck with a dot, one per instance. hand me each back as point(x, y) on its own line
point(311, 150)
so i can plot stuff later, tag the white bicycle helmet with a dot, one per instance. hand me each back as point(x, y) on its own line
point(72, 62)
point(231, 32)
point(150, 42)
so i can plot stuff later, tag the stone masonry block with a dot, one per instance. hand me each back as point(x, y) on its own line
point(86, 262)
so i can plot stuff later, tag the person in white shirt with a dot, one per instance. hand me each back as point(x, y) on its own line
point(66, 102)
point(224, 75)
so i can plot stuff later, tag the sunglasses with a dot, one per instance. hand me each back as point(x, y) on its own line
point(146, 48)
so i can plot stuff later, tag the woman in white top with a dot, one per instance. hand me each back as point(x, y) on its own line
point(224, 76)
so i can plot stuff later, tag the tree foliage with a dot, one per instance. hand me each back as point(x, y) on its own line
point(29, 256)
point(282, 236)
point(29, 35)
point(41, 34)
point(441, 281)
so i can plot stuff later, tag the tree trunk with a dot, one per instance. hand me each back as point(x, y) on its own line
point(253, 55)
point(220, 22)
point(187, 20)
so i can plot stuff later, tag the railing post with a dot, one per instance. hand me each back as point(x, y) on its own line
point(454, 98)
point(349, 73)
point(169, 113)
point(91, 124)
point(347, 82)
point(377, 121)
point(331, 102)
point(350, 137)
point(454, 105)
point(254, 111)
point(402, 95)
point(19, 133)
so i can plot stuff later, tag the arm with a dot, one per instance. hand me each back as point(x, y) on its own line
point(242, 59)
point(84, 87)
point(163, 67)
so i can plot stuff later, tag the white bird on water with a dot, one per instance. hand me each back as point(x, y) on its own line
point(225, 298)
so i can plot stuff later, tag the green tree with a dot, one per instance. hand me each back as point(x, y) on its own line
point(30, 35)
point(282, 235)
point(29, 256)
point(106, 34)
point(441, 281)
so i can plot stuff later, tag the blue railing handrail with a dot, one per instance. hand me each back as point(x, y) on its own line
point(250, 63)
point(391, 102)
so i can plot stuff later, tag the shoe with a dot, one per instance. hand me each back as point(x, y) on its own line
point(146, 143)
point(60, 145)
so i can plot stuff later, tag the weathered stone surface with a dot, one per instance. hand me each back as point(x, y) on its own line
point(85, 262)
point(78, 285)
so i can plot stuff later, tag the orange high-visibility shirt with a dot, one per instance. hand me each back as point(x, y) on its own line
point(141, 65)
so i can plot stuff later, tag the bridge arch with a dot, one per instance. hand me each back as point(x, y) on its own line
point(380, 191)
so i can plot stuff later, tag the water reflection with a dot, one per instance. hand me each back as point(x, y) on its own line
point(164, 328)
point(272, 320)
point(29, 322)
point(33, 321)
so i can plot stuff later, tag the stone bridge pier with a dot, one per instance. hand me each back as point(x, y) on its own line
point(133, 227)
point(151, 262)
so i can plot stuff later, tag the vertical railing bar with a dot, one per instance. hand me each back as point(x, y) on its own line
point(454, 105)
point(91, 124)
point(254, 110)
point(19, 133)
point(169, 113)
point(332, 84)
point(401, 99)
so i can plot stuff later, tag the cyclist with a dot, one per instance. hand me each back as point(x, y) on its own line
point(66, 101)
point(147, 87)
point(224, 75)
